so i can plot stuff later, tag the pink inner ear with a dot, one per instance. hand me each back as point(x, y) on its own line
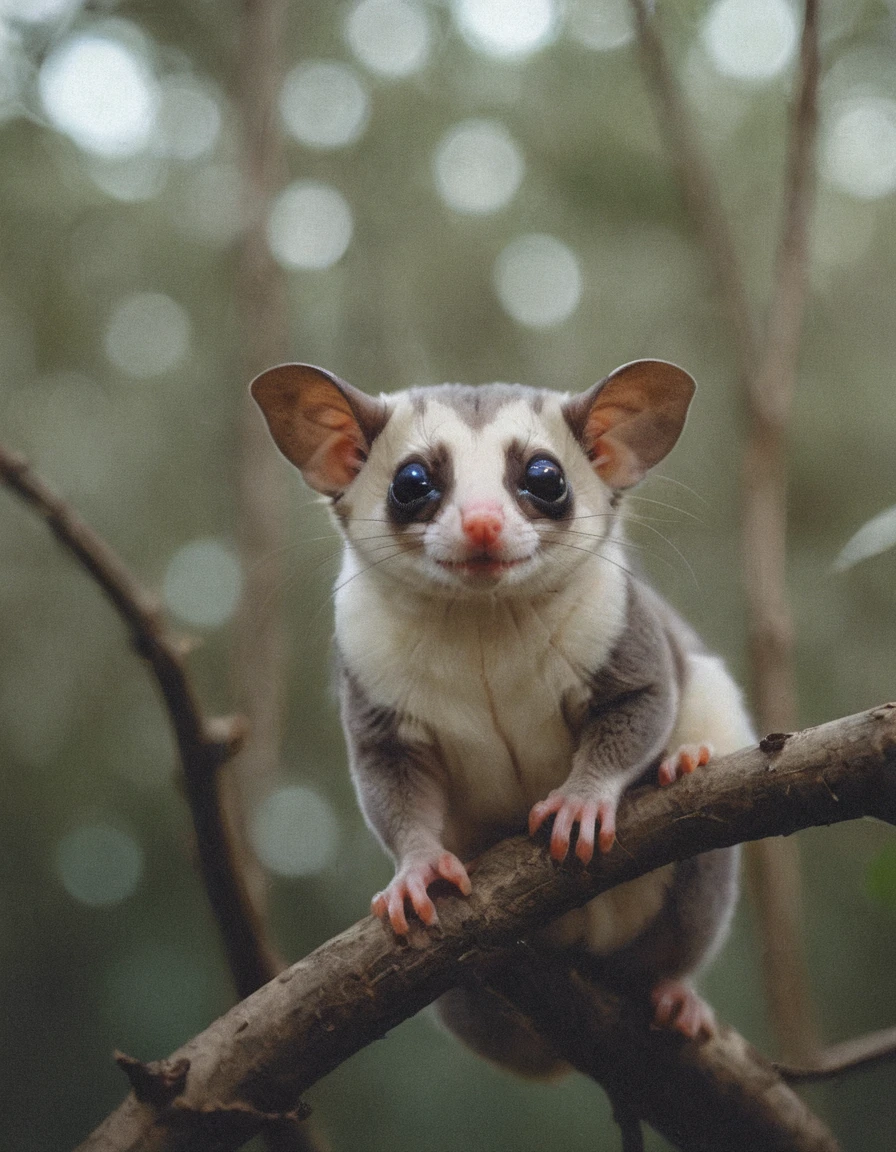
point(615, 463)
point(337, 460)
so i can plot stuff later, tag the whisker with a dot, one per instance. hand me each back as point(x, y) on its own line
point(681, 484)
point(627, 515)
point(663, 504)
point(595, 555)
point(597, 536)
point(376, 563)
point(677, 551)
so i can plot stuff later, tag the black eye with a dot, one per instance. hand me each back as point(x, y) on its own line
point(412, 489)
point(411, 483)
point(545, 482)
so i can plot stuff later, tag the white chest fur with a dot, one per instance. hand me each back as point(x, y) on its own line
point(489, 683)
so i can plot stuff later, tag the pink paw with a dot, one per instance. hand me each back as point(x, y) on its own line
point(569, 811)
point(676, 1005)
point(685, 760)
point(411, 882)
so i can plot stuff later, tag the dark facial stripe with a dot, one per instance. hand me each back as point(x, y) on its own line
point(440, 466)
point(476, 404)
point(516, 460)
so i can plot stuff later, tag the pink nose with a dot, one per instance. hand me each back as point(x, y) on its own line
point(482, 524)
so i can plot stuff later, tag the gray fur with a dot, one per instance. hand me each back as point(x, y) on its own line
point(476, 404)
point(631, 711)
point(401, 786)
point(456, 757)
point(621, 732)
point(486, 1024)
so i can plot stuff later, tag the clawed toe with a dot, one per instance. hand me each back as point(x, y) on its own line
point(684, 761)
point(410, 885)
point(677, 1006)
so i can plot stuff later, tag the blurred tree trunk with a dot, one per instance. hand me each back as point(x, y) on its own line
point(259, 661)
point(767, 364)
point(773, 865)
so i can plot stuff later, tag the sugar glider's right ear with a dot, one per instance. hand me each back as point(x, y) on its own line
point(321, 424)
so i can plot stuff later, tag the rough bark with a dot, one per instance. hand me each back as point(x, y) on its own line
point(701, 1097)
point(252, 1064)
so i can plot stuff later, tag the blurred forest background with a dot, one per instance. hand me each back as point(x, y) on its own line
point(469, 190)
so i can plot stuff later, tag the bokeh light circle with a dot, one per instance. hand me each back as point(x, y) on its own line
point(36, 11)
point(188, 122)
point(507, 28)
point(601, 25)
point(390, 37)
point(148, 334)
point(310, 225)
point(203, 582)
point(477, 166)
point(130, 180)
point(538, 280)
point(324, 104)
point(858, 153)
point(294, 831)
point(101, 93)
point(99, 865)
point(750, 39)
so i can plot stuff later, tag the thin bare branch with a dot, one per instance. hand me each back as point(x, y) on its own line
point(769, 395)
point(861, 1052)
point(699, 188)
point(259, 661)
point(268, 1050)
point(259, 658)
point(774, 867)
point(204, 745)
point(767, 361)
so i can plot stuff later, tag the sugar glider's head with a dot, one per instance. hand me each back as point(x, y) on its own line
point(493, 489)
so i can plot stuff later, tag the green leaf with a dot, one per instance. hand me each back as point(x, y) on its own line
point(872, 538)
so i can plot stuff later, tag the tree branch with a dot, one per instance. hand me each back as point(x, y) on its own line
point(861, 1052)
point(259, 657)
point(204, 744)
point(774, 867)
point(698, 185)
point(266, 1051)
point(708, 1096)
point(767, 361)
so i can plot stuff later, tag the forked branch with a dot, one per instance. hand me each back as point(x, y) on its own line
point(268, 1050)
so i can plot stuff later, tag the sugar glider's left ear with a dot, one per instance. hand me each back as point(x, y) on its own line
point(628, 422)
point(321, 424)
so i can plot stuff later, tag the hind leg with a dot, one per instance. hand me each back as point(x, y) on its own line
point(676, 1005)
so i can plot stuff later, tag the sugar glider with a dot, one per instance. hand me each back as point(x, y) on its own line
point(499, 665)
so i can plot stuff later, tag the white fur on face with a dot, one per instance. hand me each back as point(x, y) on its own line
point(485, 670)
point(427, 557)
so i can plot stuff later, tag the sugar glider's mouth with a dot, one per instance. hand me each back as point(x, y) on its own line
point(482, 566)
